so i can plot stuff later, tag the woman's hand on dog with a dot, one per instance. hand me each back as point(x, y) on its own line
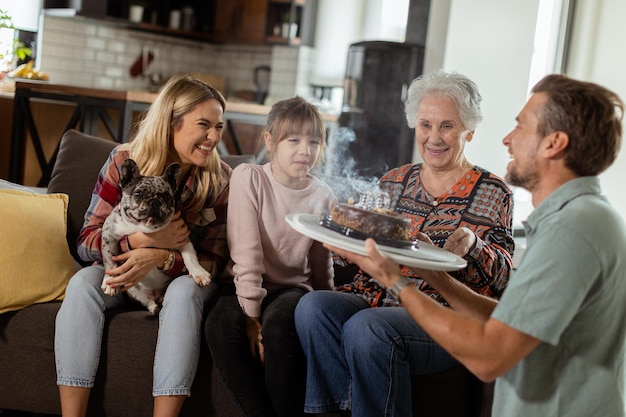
point(145, 255)
point(135, 265)
point(174, 235)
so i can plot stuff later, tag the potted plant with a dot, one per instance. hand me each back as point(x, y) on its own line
point(10, 47)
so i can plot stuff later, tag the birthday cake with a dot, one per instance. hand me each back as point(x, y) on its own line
point(378, 222)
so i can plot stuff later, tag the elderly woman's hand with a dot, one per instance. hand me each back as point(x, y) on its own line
point(461, 242)
point(377, 265)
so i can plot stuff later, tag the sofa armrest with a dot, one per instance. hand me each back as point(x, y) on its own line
point(8, 185)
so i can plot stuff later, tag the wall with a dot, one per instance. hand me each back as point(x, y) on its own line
point(333, 34)
point(491, 41)
point(24, 13)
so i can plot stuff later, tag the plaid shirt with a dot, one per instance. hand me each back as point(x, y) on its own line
point(479, 201)
point(208, 227)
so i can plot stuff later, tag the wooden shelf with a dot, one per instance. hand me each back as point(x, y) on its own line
point(283, 41)
point(149, 27)
point(298, 14)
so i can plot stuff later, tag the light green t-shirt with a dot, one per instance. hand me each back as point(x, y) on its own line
point(570, 292)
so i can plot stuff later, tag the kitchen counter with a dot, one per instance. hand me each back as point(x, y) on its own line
point(236, 108)
point(43, 111)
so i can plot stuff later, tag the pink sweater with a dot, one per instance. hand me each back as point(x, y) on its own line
point(268, 254)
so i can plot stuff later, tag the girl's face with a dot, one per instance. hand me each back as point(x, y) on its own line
point(199, 134)
point(293, 158)
point(440, 133)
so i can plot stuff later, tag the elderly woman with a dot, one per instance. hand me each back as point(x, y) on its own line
point(362, 358)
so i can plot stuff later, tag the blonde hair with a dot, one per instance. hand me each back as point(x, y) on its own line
point(296, 116)
point(150, 146)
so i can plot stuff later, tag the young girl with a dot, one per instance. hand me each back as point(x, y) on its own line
point(183, 125)
point(250, 329)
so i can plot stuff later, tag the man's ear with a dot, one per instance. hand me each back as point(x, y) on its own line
point(556, 143)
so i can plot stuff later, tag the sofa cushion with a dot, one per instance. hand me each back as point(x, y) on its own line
point(75, 173)
point(35, 258)
point(234, 160)
point(28, 372)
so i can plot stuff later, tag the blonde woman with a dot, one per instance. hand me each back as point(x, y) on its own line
point(183, 125)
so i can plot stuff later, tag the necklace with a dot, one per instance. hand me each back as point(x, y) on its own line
point(442, 196)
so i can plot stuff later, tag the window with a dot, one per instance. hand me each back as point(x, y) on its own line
point(551, 39)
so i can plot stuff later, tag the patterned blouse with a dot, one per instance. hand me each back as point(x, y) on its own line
point(479, 201)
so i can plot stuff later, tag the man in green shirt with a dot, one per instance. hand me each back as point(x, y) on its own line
point(556, 340)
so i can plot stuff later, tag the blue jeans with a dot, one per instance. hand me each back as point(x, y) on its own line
point(80, 322)
point(362, 358)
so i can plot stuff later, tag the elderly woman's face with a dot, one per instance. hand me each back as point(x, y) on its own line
point(439, 133)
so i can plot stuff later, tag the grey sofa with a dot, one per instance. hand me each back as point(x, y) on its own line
point(124, 378)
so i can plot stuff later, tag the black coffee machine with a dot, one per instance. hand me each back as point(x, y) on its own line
point(261, 83)
point(378, 74)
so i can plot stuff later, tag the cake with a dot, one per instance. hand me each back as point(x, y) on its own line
point(378, 222)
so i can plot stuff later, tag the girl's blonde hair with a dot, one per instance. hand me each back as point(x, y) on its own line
point(153, 140)
point(296, 116)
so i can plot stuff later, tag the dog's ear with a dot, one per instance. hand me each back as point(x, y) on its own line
point(130, 171)
point(171, 174)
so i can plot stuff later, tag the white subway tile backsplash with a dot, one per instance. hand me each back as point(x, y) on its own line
point(114, 72)
point(85, 27)
point(96, 43)
point(107, 32)
point(72, 41)
point(105, 57)
point(85, 52)
point(94, 69)
point(104, 83)
point(116, 46)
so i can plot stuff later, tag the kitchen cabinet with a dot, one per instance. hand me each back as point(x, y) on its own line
point(240, 21)
point(286, 22)
point(291, 22)
point(252, 22)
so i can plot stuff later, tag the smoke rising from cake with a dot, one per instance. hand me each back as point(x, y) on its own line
point(339, 172)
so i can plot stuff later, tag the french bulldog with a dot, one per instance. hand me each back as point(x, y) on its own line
point(147, 205)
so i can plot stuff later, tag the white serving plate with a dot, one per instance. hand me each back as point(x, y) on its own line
point(425, 256)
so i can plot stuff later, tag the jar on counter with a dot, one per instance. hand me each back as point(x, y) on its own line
point(188, 18)
point(174, 19)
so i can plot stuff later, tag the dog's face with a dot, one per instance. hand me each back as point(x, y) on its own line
point(148, 201)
